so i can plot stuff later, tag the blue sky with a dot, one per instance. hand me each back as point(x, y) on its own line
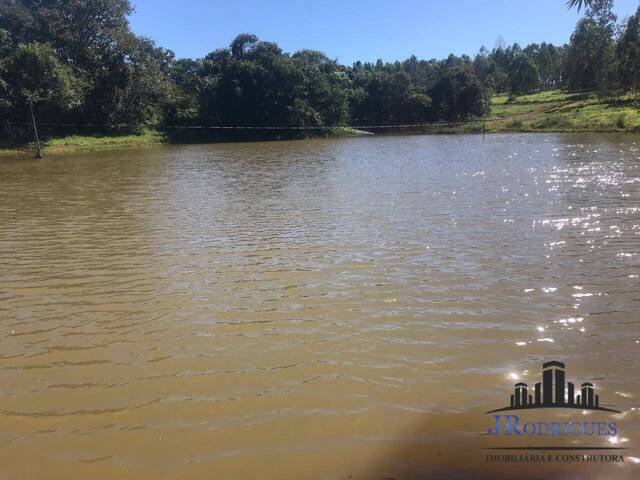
point(358, 30)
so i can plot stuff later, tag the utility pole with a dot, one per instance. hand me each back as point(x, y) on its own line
point(485, 110)
point(35, 130)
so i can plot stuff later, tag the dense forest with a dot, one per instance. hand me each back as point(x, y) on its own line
point(78, 62)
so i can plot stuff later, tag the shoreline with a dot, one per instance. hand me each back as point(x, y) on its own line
point(79, 144)
point(551, 111)
point(151, 138)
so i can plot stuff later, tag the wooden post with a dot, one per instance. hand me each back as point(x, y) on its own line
point(35, 130)
point(484, 123)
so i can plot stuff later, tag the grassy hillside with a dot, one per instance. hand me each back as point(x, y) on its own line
point(556, 111)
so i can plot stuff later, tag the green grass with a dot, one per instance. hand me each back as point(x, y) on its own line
point(556, 111)
point(76, 143)
point(501, 107)
point(83, 142)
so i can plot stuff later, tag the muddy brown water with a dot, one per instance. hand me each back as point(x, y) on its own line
point(326, 309)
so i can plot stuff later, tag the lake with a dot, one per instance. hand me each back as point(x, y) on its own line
point(321, 309)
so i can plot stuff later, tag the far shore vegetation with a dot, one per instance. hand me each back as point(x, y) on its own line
point(552, 111)
point(101, 86)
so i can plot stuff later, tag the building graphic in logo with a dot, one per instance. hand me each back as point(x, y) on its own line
point(554, 392)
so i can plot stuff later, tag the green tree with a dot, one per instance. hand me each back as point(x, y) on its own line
point(325, 89)
point(628, 54)
point(251, 83)
point(5, 51)
point(548, 60)
point(78, 29)
point(579, 3)
point(587, 63)
point(458, 95)
point(523, 75)
point(122, 77)
point(182, 106)
point(35, 73)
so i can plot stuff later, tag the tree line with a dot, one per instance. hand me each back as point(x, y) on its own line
point(79, 62)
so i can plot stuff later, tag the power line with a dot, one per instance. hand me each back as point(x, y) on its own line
point(256, 127)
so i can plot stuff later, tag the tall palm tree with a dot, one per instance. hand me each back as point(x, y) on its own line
point(579, 3)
